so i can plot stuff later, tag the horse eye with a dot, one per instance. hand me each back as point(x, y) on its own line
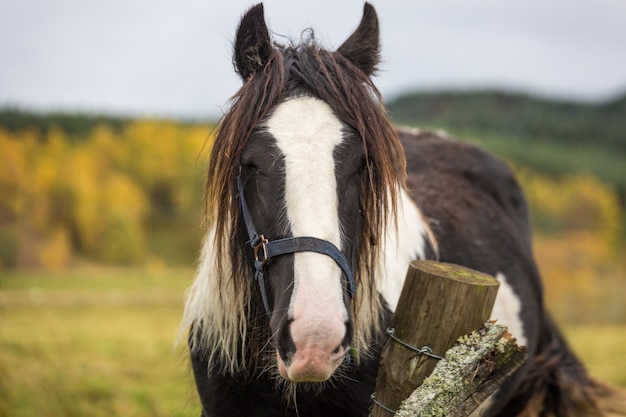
point(251, 168)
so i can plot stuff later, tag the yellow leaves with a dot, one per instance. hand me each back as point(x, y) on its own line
point(576, 203)
point(164, 156)
point(583, 281)
point(153, 149)
point(108, 207)
point(13, 176)
point(121, 220)
point(578, 223)
point(94, 195)
point(55, 252)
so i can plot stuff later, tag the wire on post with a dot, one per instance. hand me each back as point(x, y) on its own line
point(426, 350)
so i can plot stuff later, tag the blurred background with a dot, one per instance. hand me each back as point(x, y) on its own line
point(107, 112)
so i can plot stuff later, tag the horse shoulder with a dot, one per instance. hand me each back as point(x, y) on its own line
point(435, 156)
point(476, 209)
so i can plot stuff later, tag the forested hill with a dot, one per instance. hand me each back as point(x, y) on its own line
point(517, 116)
point(508, 115)
point(557, 137)
point(75, 125)
point(120, 190)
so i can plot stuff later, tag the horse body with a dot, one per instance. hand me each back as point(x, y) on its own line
point(308, 147)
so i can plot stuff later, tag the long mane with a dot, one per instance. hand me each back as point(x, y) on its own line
point(221, 308)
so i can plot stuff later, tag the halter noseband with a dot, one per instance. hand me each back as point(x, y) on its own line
point(265, 249)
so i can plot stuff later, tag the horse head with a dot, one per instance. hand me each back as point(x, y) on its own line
point(303, 173)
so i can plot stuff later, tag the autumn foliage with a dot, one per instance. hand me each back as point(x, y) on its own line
point(131, 193)
point(102, 197)
point(579, 245)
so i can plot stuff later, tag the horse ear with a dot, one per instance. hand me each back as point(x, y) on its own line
point(253, 47)
point(362, 48)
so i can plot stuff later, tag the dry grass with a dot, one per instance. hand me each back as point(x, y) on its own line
point(99, 342)
point(96, 343)
point(602, 347)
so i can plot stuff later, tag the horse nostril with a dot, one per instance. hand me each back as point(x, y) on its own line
point(337, 350)
point(286, 345)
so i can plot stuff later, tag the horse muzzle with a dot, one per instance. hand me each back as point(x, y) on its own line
point(314, 352)
point(311, 365)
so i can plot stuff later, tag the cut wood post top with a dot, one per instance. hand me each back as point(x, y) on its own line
point(454, 272)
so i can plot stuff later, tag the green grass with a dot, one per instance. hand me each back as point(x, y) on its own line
point(602, 347)
point(94, 343)
point(99, 342)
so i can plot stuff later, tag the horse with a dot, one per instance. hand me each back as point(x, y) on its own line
point(315, 204)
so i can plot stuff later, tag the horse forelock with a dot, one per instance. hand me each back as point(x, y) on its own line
point(220, 303)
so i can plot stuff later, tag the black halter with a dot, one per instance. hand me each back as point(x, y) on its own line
point(265, 249)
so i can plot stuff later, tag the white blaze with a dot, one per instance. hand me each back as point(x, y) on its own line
point(307, 133)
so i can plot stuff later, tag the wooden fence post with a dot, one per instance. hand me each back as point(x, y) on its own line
point(439, 303)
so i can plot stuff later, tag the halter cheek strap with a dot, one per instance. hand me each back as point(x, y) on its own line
point(264, 250)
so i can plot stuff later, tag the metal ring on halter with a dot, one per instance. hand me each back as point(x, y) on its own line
point(262, 242)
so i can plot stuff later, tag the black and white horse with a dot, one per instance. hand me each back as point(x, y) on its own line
point(315, 205)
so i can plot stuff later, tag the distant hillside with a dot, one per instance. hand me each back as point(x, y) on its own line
point(554, 137)
point(557, 137)
point(517, 116)
point(74, 124)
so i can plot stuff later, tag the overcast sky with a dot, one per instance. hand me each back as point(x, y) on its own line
point(173, 57)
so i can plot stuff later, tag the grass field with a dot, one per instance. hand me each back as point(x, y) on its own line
point(94, 343)
point(99, 342)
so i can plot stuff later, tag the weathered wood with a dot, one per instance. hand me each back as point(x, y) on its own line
point(469, 373)
point(439, 303)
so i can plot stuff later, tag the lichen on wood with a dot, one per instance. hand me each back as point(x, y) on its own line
point(470, 371)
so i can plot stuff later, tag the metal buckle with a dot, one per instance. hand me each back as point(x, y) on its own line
point(261, 245)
